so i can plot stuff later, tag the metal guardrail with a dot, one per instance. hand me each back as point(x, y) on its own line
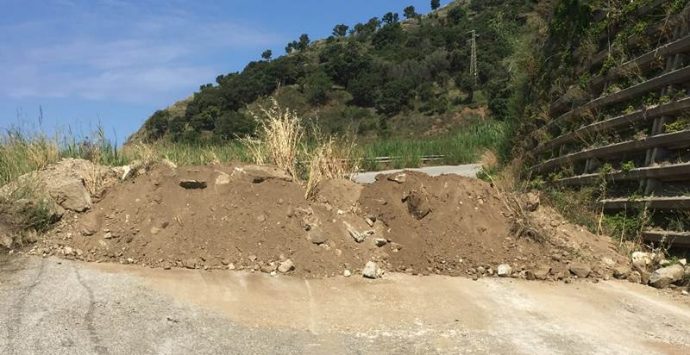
point(423, 158)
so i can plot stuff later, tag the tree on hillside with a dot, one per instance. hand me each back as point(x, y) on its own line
point(206, 120)
point(390, 18)
point(365, 29)
point(267, 54)
point(300, 45)
point(340, 30)
point(315, 87)
point(233, 124)
point(435, 4)
point(389, 35)
point(466, 83)
point(158, 124)
point(394, 96)
point(343, 62)
point(410, 12)
point(303, 42)
point(292, 46)
point(364, 89)
point(456, 14)
point(373, 24)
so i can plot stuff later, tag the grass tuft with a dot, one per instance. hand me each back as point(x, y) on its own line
point(330, 160)
point(278, 138)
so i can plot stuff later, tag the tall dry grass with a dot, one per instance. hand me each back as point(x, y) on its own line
point(282, 140)
point(278, 138)
point(20, 155)
point(331, 159)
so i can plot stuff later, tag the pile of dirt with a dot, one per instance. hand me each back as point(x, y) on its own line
point(71, 184)
point(256, 218)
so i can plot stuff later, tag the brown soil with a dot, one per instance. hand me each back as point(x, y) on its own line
point(254, 217)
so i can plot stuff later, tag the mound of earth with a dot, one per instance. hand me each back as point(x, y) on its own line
point(256, 218)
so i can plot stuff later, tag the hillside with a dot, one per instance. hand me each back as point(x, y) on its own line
point(605, 127)
point(397, 74)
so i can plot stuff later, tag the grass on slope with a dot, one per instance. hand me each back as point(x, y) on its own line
point(23, 153)
point(462, 147)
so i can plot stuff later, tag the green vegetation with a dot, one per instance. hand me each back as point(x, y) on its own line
point(678, 125)
point(628, 166)
point(577, 206)
point(577, 59)
point(383, 77)
point(464, 146)
point(21, 153)
point(626, 226)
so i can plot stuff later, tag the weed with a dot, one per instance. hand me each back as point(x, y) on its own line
point(20, 154)
point(677, 125)
point(536, 183)
point(278, 138)
point(330, 160)
point(626, 226)
point(628, 166)
point(577, 207)
point(606, 169)
point(523, 224)
point(486, 174)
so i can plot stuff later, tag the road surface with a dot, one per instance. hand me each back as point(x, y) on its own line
point(469, 170)
point(54, 306)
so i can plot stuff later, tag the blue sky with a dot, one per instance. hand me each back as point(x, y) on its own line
point(114, 62)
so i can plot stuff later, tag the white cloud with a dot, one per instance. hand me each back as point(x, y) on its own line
point(123, 55)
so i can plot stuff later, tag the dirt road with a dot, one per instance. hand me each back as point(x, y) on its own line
point(62, 307)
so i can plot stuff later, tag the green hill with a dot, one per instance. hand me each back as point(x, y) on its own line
point(391, 75)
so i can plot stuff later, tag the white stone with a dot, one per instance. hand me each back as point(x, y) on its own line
point(286, 266)
point(504, 270)
point(372, 270)
point(608, 262)
point(663, 277)
point(641, 260)
point(222, 179)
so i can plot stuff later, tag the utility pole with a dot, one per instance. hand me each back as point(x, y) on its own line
point(474, 72)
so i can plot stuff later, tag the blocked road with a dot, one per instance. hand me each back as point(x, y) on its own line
point(56, 306)
point(468, 170)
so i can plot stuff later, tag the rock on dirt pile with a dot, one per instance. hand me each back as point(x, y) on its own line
point(256, 218)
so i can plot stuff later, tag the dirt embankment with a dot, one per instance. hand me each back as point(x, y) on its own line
point(256, 218)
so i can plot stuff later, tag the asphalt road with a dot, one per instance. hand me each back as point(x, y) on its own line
point(54, 306)
point(469, 170)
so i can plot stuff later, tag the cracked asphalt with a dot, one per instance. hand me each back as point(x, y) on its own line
point(55, 306)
